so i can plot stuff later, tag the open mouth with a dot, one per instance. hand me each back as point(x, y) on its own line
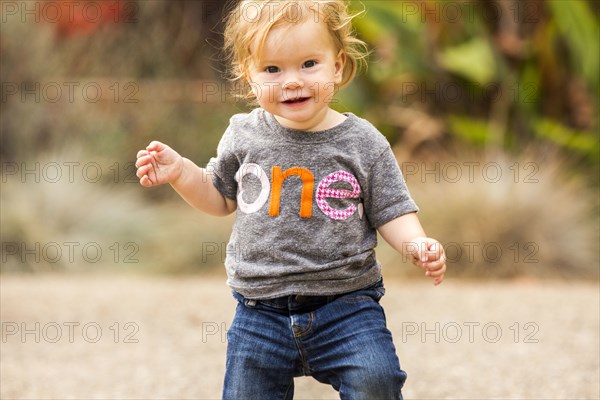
point(297, 100)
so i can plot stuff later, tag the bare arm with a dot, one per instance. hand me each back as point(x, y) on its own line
point(196, 187)
point(406, 236)
point(159, 164)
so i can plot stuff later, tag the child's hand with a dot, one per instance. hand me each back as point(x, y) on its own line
point(158, 164)
point(429, 255)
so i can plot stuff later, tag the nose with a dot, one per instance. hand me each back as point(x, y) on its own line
point(292, 81)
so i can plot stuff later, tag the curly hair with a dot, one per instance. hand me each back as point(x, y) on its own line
point(250, 21)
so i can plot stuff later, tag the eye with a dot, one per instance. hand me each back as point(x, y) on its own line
point(309, 64)
point(272, 69)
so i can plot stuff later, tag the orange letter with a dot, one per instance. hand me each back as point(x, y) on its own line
point(308, 182)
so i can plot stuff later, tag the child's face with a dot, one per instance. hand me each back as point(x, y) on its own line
point(295, 76)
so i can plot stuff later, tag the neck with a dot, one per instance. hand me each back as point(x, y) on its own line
point(320, 122)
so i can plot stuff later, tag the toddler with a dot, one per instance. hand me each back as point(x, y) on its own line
point(311, 187)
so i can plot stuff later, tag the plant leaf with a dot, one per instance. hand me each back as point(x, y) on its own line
point(473, 60)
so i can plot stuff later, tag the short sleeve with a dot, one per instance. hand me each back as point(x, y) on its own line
point(386, 196)
point(224, 166)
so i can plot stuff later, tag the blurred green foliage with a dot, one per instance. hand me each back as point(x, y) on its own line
point(500, 74)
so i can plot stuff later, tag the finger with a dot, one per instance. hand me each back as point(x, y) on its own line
point(426, 256)
point(143, 170)
point(436, 274)
point(141, 153)
point(435, 247)
point(435, 264)
point(145, 181)
point(420, 254)
point(154, 164)
point(148, 159)
point(155, 146)
point(143, 160)
point(430, 257)
point(439, 280)
point(152, 157)
point(418, 263)
point(434, 259)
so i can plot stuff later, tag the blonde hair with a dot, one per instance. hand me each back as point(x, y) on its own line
point(250, 21)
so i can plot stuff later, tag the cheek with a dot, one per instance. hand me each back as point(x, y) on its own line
point(326, 88)
point(257, 92)
point(329, 76)
point(264, 89)
point(266, 94)
point(327, 91)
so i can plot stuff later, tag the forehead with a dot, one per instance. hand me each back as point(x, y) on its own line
point(288, 40)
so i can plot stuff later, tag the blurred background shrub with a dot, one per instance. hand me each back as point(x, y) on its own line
point(457, 87)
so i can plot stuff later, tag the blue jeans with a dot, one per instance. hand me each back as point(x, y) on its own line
point(338, 340)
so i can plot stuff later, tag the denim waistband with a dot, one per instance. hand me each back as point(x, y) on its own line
point(301, 303)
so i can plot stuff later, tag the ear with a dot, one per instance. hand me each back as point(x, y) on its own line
point(340, 63)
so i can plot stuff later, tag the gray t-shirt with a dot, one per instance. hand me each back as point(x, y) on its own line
point(308, 204)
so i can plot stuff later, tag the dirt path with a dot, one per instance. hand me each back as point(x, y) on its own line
point(148, 338)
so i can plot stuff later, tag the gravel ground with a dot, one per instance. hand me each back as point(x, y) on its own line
point(131, 337)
